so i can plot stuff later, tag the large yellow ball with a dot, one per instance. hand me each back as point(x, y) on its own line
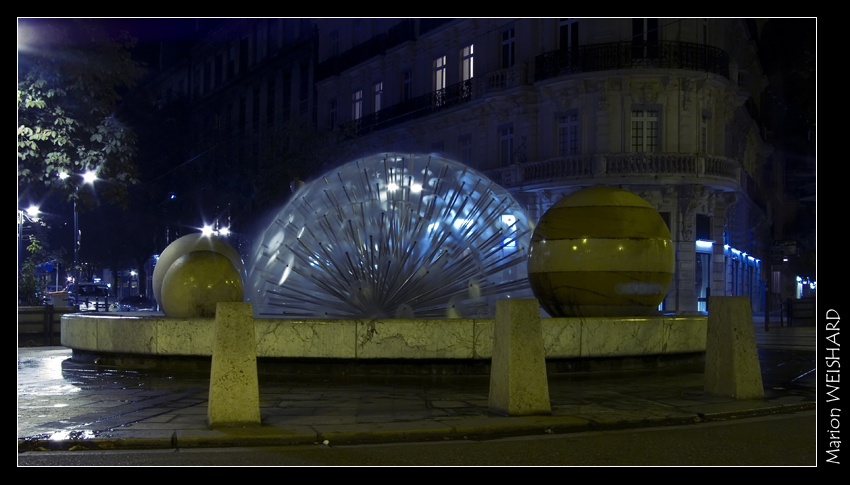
point(197, 281)
point(601, 251)
point(187, 244)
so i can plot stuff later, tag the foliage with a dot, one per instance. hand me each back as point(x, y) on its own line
point(29, 290)
point(69, 77)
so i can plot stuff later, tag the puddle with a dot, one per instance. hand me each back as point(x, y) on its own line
point(73, 435)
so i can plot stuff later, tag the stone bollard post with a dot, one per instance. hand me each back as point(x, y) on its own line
point(731, 359)
point(518, 382)
point(234, 390)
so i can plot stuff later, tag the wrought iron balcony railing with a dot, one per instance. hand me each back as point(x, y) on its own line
point(628, 55)
point(616, 55)
point(416, 107)
point(617, 165)
point(376, 46)
point(500, 80)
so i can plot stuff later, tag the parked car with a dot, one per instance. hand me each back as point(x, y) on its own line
point(137, 304)
point(90, 296)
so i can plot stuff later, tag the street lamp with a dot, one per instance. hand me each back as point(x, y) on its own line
point(89, 177)
point(134, 286)
point(31, 215)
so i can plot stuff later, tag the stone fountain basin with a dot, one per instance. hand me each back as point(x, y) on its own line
point(154, 336)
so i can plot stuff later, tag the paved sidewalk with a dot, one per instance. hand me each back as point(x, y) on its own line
point(65, 405)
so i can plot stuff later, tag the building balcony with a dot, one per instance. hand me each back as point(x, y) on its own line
point(489, 84)
point(415, 107)
point(613, 168)
point(500, 80)
point(632, 55)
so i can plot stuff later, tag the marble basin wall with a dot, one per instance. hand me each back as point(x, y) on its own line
point(385, 339)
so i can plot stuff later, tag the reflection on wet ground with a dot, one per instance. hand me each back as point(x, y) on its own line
point(91, 376)
point(55, 374)
point(69, 398)
point(60, 399)
point(789, 370)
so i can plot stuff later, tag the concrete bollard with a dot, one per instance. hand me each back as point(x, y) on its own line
point(518, 382)
point(731, 359)
point(234, 390)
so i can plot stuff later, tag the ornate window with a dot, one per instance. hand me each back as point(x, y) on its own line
point(377, 95)
point(645, 129)
point(357, 104)
point(507, 48)
point(332, 114)
point(466, 62)
point(645, 37)
point(568, 133)
point(406, 85)
point(506, 144)
point(568, 33)
point(439, 80)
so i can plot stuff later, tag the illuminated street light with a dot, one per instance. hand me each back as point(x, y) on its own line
point(31, 215)
point(89, 177)
point(212, 230)
point(32, 212)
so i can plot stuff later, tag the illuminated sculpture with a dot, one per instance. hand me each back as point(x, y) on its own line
point(392, 236)
point(601, 251)
point(197, 282)
point(194, 273)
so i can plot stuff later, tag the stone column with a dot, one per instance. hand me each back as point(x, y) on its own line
point(720, 202)
point(689, 198)
point(731, 359)
point(518, 382)
point(234, 389)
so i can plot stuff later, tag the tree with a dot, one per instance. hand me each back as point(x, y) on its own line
point(29, 290)
point(70, 74)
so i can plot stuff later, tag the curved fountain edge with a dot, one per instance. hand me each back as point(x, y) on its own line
point(155, 335)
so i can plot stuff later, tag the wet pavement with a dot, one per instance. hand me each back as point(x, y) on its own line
point(67, 405)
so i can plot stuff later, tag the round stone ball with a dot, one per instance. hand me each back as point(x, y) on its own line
point(197, 281)
point(187, 244)
point(598, 252)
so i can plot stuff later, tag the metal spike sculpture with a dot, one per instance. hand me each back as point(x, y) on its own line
point(392, 236)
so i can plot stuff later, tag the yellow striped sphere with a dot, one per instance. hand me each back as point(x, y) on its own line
point(601, 251)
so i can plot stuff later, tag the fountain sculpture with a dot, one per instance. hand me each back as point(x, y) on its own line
point(392, 235)
point(194, 273)
point(404, 257)
point(601, 251)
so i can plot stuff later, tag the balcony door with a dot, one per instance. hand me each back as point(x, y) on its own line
point(645, 38)
point(568, 34)
point(439, 80)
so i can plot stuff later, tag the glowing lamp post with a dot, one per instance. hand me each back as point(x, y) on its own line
point(88, 178)
point(30, 214)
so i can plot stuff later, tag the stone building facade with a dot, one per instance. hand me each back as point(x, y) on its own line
point(667, 108)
